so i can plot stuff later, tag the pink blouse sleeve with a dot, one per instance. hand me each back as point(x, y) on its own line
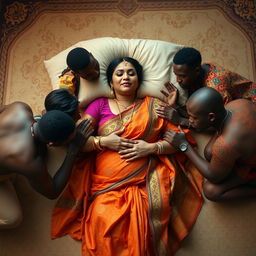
point(94, 109)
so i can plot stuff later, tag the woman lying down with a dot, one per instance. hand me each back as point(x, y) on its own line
point(135, 194)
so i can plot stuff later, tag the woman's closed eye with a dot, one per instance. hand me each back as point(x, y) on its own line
point(129, 73)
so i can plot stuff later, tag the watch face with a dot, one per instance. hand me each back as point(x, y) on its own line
point(183, 147)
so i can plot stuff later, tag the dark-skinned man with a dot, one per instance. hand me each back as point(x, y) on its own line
point(192, 75)
point(81, 63)
point(23, 145)
point(230, 168)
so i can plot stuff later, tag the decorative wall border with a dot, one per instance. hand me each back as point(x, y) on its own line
point(17, 15)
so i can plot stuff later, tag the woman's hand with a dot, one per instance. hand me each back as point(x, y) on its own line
point(115, 142)
point(138, 149)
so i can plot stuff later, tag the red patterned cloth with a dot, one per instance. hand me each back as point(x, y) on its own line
point(229, 84)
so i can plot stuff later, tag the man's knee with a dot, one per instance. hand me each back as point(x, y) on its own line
point(13, 220)
point(211, 191)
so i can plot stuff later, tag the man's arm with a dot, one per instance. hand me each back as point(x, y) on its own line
point(48, 186)
point(221, 164)
point(41, 180)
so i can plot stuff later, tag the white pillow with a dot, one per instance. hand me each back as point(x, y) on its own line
point(155, 56)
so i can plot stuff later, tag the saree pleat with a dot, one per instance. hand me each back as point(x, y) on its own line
point(139, 208)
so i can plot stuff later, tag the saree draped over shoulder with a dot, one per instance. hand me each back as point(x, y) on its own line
point(138, 208)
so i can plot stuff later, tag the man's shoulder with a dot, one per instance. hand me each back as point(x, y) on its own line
point(17, 106)
point(211, 67)
point(240, 104)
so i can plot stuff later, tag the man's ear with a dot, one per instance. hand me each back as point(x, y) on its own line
point(211, 117)
point(198, 69)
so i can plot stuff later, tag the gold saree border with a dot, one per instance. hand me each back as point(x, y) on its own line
point(155, 207)
point(153, 103)
point(88, 116)
point(115, 123)
point(122, 181)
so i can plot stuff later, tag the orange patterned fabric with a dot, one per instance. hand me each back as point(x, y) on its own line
point(143, 207)
point(229, 84)
point(70, 81)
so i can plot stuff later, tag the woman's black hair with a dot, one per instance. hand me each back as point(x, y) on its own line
point(63, 100)
point(114, 63)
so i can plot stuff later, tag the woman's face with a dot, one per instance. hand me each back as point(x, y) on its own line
point(125, 79)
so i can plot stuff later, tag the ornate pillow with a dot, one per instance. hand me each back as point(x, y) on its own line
point(155, 56)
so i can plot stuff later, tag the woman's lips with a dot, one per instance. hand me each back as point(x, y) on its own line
point(126, 84)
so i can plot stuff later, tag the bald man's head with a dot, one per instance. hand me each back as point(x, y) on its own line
point(207, 100)
point(204, 106)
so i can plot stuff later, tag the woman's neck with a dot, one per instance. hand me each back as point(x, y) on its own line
point(126, 98)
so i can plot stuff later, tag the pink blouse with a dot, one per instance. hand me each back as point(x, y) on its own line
point(100, 110)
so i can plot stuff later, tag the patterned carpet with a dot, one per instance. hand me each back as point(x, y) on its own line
point(18, 16)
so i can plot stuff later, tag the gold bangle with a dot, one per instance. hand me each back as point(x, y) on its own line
point(160, 148)
point(96, 141)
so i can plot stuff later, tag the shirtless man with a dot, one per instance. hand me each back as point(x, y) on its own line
point(23, 144)
point(230, 168)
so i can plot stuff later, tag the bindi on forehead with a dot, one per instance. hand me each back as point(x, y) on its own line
point(125, 63)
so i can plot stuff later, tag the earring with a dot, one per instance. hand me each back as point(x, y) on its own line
point(112, 92)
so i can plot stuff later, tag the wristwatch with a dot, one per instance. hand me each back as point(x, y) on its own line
point(183, 146)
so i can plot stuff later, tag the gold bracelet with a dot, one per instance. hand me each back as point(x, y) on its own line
point(96, 141)
point(160, 148)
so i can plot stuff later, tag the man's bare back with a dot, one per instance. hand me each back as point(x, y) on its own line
point(235, 147)
point(23, 147)
point(18, 149)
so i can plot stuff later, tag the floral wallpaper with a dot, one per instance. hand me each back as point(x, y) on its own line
point(32, 31)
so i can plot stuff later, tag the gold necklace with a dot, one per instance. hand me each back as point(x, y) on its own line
point(120, 114)
point(118, 102)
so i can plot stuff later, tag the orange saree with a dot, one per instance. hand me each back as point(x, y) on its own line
point(138, 208)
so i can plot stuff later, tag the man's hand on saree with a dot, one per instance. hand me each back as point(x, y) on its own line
point(172, 115)
point(168, 112)
point(137, 149)
point(176, 139)
point(115, 142)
